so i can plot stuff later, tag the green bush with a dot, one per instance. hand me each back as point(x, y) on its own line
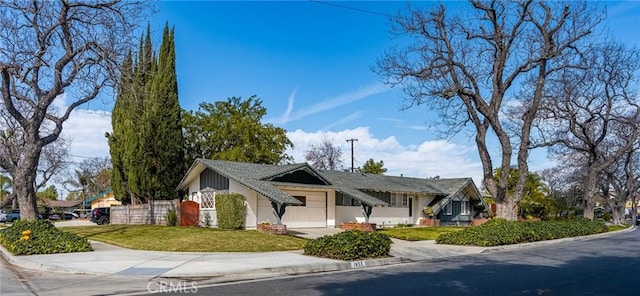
point(172, 217)
point(350, 245)
point(230, 210)
point(499, 232)
point(44, 239)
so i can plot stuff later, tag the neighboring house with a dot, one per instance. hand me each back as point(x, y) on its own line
point(301, 196)
point(62, 205)
point(103, 199)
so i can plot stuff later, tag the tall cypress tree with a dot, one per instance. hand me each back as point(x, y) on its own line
point(166, 145)
point(147, 125)
point(117, 138)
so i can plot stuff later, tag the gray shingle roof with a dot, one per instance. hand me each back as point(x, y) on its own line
point(251, 175)
point(258, 178)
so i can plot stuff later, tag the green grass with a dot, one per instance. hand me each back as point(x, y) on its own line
point(419, 233)
point(187, 239)
point(618, 227)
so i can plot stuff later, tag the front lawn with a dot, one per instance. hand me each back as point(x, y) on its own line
point(187, 239)
point(418, 233)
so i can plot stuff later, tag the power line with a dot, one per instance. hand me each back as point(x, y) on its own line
point(354, 8)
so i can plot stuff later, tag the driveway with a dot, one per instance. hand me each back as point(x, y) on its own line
point(74, 222)
point(313, 233)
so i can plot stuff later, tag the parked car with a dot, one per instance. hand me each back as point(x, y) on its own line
point(82, 213)
point(100, 216)
point(54, 217)
point(10, 217)
point(69, 216)
point(637, 219)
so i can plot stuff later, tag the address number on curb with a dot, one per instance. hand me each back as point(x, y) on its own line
point(357, 264)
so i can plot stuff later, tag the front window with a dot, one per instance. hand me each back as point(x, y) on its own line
point(399, 200)
point(464, 210)
point(448, 209)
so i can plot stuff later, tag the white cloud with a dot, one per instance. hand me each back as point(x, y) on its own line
point(430, 158)
point(86, 131)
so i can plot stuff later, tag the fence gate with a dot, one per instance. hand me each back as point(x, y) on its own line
point(189, 213)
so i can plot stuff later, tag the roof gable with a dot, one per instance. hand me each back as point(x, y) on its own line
point(301, 175)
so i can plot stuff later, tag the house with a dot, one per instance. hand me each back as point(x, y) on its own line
point(60, 205)
point(103, 199)
point(300, 196)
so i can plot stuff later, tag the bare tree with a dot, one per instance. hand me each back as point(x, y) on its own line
point(325, 156)
point(89, 178)
point(623, 178)
point(466, 67)
point(593, 113)
point(51, 51)
point(53, 158)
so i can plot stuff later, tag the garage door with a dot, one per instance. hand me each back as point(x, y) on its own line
point(312, 214)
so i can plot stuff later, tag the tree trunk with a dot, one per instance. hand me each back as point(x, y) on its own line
point(507, 210)
point(617, 214)
point(589, 195)
point(24, 182)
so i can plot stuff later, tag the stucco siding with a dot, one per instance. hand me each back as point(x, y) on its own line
point(379, 215)
point(252, 204)
point(314, 214)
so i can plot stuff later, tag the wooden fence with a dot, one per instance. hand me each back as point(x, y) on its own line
point(150, 213)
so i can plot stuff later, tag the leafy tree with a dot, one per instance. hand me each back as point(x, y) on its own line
point(51, 49)
point(147, 145)
point(373, 167)
point(49, 193)
point(467, 66)
point(231, 130)
point(325, 156)
point(534, 200)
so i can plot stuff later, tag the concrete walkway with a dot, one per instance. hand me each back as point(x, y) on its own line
point(111, 260)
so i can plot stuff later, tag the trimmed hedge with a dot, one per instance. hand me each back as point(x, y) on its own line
point(43, 238)
point(497, 232)
point(350, 245)
point(230, 210)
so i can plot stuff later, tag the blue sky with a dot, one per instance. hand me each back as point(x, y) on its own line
point(310, 63)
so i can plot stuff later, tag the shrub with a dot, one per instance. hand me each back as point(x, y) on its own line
point(230, 210)
point(44, 238)
point(207, 219)
point(499, 232)
point(350, 245)
point(172, 217)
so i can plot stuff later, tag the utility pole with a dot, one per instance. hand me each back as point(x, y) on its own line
point(352, 140)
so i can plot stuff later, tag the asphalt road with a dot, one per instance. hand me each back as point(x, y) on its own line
point(11, 283)
point(606, 266)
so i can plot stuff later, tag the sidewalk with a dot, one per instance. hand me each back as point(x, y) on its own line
point(111, 260)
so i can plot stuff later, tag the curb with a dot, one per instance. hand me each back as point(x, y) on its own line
point(296, 269)
point(17, 261)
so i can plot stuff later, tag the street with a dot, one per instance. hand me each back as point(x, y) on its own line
point(604, 266)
